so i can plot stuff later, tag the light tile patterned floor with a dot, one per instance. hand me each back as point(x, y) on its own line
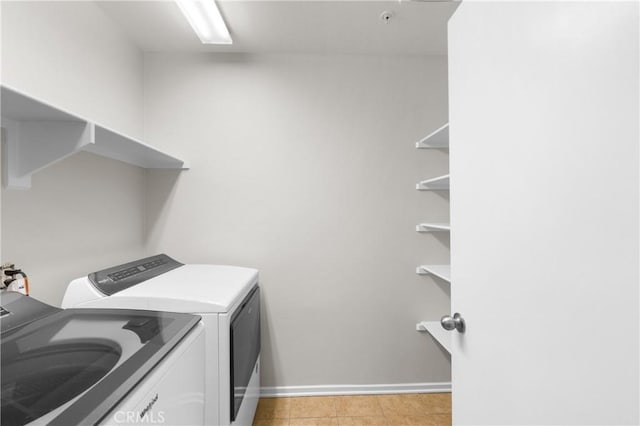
point(433, 409)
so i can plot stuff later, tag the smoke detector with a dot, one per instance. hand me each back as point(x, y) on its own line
point(386, 16)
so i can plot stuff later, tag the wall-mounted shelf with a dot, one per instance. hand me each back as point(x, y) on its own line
point(441, 271)
point(440, 183)
point(38, 135)
point(441, 335)
point(433, 227)
point(438, 139)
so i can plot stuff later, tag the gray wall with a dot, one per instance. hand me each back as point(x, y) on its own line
point(85, 212)
point(81, 214)
point(304, 167)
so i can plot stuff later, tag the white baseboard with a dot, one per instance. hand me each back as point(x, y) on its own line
point(272, 391)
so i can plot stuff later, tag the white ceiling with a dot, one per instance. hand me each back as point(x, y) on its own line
point(303, 26)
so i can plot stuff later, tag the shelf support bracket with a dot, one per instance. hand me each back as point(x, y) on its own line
point(29, 146)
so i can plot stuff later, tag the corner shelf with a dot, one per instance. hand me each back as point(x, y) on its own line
point(442, 336)
point(38, 135)
point(438, 139)
point(441, 271)
point(440, 183)
point(433, 227)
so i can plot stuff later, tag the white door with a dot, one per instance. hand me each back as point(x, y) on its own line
point(545, 212)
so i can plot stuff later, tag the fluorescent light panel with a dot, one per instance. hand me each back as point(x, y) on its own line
point(206, 20)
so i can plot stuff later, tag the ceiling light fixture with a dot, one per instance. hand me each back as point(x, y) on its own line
point(206, 20)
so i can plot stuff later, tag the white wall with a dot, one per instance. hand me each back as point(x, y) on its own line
point(86, 212)
point(305, 167)
point(72, 55)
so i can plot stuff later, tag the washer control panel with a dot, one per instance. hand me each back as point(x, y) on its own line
point(121, 277)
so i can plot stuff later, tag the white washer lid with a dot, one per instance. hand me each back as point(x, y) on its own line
point(189, 288)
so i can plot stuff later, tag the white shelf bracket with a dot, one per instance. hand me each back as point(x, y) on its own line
point(438, 139)
point(432, 227)
point(30, 146)
point(440, 335)
point(436, 184)
point(442, 272)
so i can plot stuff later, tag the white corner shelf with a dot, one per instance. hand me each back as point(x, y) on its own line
point(441, 271)
point(433, 227)
point(440, 183)
point(438, 139)
point(442, 336)
point(38, 135)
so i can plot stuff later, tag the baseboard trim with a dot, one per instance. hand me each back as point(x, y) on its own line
point(283, 391)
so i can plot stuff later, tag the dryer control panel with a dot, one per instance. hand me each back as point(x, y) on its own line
point(117, 278)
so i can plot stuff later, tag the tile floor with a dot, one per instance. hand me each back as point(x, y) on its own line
point(433, 409)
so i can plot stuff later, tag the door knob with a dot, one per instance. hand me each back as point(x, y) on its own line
point(453, 323)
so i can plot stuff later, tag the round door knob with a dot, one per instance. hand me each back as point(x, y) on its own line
point(453, 323)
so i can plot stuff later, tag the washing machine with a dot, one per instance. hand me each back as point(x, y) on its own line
point(227, 298)
point(99, 366)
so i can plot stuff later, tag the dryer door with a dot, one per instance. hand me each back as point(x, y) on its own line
point(245, 347)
